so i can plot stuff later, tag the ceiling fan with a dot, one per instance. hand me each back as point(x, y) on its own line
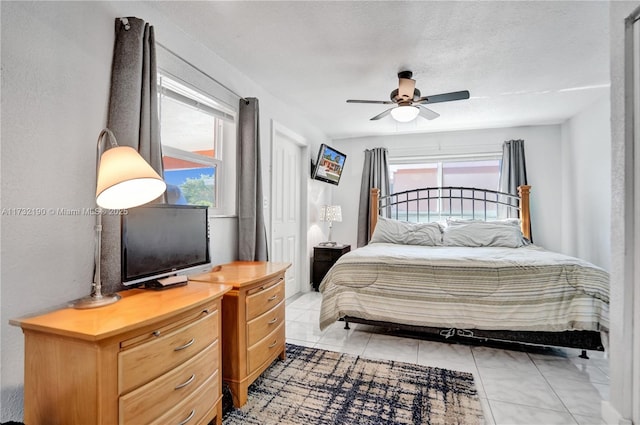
point(408, 102)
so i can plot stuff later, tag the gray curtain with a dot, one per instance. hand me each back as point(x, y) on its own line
point(513, 171)
point(252, 237)
point(133, 118)
point(375, 174)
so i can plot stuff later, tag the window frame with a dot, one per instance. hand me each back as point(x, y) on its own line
point(440, 160)
point(204, 101)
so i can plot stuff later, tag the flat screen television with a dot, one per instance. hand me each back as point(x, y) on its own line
point(160, 240)
point(329, 165)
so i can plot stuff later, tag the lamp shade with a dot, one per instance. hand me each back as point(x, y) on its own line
point(126, 180)
point(404, 113)
point(331, 213)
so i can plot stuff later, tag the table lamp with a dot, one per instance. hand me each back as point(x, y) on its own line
point(330, 213)
point(123, 180)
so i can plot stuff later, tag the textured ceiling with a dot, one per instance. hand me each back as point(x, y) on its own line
point(525, 63)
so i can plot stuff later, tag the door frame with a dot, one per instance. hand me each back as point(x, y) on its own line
point(632, 206)
point(303, 278)
point(623, 406)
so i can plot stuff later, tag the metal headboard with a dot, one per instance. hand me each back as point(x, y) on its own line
point(437, 203)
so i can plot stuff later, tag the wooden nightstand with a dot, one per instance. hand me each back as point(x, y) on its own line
point(324, 257)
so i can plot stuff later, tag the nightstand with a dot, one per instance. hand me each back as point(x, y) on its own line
point(325, 256)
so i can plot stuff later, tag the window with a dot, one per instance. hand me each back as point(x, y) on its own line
point(196, 130)
point(479, 173)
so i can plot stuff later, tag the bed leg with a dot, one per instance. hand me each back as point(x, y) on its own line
point(583, 355)
point(346, 325)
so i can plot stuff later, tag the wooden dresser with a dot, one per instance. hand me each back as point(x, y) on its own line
point(152, 357)
point(253, 321)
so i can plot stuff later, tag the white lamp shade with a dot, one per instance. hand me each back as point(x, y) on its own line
point(404, 113)
point(126, 180)
point(331, 213)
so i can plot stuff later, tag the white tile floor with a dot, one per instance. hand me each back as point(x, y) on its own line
point(548, 386)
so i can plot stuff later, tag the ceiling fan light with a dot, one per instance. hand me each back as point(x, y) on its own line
point(405, 113)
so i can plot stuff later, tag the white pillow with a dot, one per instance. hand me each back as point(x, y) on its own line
point(481, 233)
point(404, 233)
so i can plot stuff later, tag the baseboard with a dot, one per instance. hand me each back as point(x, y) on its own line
point(610, 415)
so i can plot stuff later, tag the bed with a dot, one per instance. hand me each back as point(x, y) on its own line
point(441, 262)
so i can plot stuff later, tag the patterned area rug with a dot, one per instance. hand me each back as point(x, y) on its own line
point(318, 387)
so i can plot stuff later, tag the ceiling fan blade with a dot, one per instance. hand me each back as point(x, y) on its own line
point(428, 113)
point(444, 97)
point(378, 102)
point(381, 115)
point(406, 87)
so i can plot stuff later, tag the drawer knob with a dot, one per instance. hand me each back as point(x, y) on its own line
point(275, 297)
point(205, 311)
point(188, 344)
point(274, 344)
point(187, 382)
point(191, 415)
point(156, 333)
point(272, 321)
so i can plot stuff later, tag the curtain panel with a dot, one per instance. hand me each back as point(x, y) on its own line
point(252, 235)
point(375, 174)
point(133, 118)
point(513, 171)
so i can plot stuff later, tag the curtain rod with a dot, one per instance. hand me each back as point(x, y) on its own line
point(199, 70)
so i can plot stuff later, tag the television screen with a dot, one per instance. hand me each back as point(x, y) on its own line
point(329, 165)
point(159, 240)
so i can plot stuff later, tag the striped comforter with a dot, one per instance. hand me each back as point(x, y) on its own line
point(519, 289)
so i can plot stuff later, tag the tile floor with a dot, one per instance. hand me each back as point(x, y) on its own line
point(541, 386)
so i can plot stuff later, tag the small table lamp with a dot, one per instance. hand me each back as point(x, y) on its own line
point(124, 180)
point(330, 213)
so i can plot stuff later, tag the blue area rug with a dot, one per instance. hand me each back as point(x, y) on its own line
point(318, 387)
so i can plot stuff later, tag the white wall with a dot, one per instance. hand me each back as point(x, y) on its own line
point(542, 150)
point(586, 184)
point(56, 66)
point(318, 194)
point(55, 85)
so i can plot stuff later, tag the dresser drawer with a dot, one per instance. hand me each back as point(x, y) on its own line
point(144, 362)
point(160, 395)
point(193, 409)
point(264, 300)
point(265, 324)
point(266, 349)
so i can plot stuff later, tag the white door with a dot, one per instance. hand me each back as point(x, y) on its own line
point(286, 220)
